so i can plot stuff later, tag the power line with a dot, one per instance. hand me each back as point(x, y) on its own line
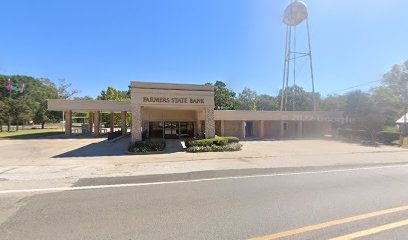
point(356, 86)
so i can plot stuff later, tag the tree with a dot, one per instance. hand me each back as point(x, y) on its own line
point(113, 94)
point(333, 103)
point(393, 94)
point(299, 99)
point(64, 90)
point(17, 111)
point(83, 98)
point(390, 105)
point(267, 103)
point(224, 98)
point(397, 80)
point(246, 100)
point(2, 115)
point(364, 113)
point(35, 95)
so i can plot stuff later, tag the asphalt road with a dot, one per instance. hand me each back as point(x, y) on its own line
point(234, 205)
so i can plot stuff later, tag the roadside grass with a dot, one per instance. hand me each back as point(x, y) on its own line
point(403, 143)
point(29, 133)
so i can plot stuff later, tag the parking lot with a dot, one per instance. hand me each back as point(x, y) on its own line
point(76, 157)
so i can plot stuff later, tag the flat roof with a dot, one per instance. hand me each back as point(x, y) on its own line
point(88, 105)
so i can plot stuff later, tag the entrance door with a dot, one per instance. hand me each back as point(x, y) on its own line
point(171, 130)
point(248, 129)
point(156, 129)
point(186, 129)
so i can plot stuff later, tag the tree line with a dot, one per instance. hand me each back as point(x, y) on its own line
point(371, 110)
point(19, 106)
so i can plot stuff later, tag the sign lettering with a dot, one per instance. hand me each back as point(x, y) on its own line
point(174, 100)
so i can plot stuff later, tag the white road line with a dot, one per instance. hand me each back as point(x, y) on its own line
point(37, 190)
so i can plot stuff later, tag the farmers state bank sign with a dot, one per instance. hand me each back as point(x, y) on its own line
point(175, 100)
point(172, 95)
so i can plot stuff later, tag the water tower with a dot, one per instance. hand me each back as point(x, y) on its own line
point(295, 14)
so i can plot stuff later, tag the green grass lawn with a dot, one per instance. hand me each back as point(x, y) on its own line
point(29, 133)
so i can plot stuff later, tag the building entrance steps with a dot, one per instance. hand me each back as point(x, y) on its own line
point(173, 146)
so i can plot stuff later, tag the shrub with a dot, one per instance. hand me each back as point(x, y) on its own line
point(353, 134)
point(147, 146)
point(405, 142)
point(216, 148)
point(218, 141)
point(387, 137)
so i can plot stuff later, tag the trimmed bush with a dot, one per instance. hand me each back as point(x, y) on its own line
point(218, 141)
point(387, 137)
point(147, 146)
point(353, 134)
point(217, 144)
point(215, 148)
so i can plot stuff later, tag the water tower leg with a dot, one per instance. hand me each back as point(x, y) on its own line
point(311, 64)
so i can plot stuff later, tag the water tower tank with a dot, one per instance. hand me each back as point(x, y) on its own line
point(295, 13)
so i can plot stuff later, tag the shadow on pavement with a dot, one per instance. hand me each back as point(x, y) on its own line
point(118, 148)
point(99, 149)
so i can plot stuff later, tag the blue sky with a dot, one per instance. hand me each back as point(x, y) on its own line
point(95, 44)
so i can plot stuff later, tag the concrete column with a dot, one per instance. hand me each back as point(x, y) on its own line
point(112, 122)
point(242, 129)
point(136, 124)
point(68, 122)
point(261, 129)
point(96, 122)
point(123, 122)
point(282, 129)
point(222, 128)
point(198, 128)
point(300, 129)
point(197, 124)
point(209, 123)
point(91, 122)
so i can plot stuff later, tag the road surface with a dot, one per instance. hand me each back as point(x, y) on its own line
point(344, 203)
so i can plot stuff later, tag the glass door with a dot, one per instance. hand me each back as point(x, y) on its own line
point(186, 129)
point(156, 129)
point(171, 130)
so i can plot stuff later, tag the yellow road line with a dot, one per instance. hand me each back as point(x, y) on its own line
point(372, 230)
point(330, 224)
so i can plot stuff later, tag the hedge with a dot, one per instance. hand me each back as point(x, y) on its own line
point(215, 148)
point(387, 137)
point(353, 134)
point(218, 141)
point(147, 146)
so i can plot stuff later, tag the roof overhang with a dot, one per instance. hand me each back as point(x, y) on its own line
point(232, 115)
point(87, 105)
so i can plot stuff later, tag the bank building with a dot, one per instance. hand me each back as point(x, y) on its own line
point(164, 110)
